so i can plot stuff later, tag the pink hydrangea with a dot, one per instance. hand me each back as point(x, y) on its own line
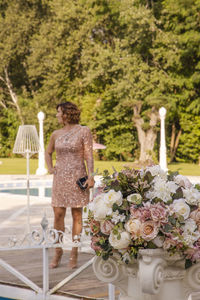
point(159, 213)
point(142, 213)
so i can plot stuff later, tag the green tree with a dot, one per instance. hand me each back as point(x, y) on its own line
point(18, 21)
point(178, 54)
point(120, 61)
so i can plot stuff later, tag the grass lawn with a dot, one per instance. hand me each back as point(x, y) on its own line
point(18, 166)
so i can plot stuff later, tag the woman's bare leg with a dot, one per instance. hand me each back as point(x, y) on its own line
point(59, 224)
point(76, 231)
point(59, 218)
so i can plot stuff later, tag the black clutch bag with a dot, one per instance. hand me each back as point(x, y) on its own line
point(81, 181)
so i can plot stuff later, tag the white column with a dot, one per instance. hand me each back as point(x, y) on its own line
point(163, 154)
point(41, 161)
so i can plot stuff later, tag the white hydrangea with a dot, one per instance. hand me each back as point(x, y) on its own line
point(189, 234)
point(190, 239)
point(157, 171)
point(162, 189)
point(117, 217)
point(182, 181)
point(192, 196)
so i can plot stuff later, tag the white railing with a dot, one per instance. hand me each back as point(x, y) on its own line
point(43, 239)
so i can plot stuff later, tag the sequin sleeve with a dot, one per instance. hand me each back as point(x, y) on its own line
point(88, 150)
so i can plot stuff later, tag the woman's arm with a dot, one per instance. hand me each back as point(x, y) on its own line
point(48, 153)
point(88, 156)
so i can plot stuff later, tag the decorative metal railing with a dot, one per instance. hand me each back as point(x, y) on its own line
point(44, 239)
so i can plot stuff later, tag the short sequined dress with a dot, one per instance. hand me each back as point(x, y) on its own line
point(72, 150)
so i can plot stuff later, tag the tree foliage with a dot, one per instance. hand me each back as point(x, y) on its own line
point(120, 61)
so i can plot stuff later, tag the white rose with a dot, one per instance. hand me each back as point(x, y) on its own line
point(122, 243)
point(134, 198)
point(183, 181)
point(190, 225)
point(100, 208)
point(133, 226)
point(180, 207)
point(192, 196)
point(113, 197)
point(100, 211)
point(158, 241)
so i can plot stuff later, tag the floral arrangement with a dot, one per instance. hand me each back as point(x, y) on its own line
point(145, 209)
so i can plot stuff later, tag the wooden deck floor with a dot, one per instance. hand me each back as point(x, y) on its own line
point(29, 263)
point(13, 217)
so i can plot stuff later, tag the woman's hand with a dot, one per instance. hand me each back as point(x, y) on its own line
point(90, 182)
point(52, 170)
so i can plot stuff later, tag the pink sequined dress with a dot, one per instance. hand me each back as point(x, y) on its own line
point(72, 150)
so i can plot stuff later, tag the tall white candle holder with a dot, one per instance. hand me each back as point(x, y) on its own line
point(27, 144)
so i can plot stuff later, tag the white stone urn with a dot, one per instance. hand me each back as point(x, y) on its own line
point(153, 276)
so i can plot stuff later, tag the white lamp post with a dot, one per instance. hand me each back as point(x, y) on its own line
point(27, 143)
point(41, 161)
point(163, 155)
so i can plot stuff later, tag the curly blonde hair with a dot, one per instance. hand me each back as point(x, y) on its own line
point(71, 111)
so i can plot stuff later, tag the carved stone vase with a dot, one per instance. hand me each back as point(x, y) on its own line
point(153, 276)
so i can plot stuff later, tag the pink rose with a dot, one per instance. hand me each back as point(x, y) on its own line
point(94, 241)
point(106, 227)
point(149, 230)
point(133, 227)
point(95, 226)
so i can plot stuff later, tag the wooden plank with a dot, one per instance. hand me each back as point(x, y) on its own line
point(29, 263)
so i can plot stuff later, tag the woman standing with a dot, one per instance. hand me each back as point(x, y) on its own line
point(73, 146)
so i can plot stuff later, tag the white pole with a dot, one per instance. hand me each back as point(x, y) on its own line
point(163, 155)
point(28, 190)
point(45, 271)
point(111, 291)
point(41, 161)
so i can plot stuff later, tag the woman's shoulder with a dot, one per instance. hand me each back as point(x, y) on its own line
point(56, 133)
point(85, 129)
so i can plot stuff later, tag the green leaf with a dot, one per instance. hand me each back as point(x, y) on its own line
point(188, 263)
